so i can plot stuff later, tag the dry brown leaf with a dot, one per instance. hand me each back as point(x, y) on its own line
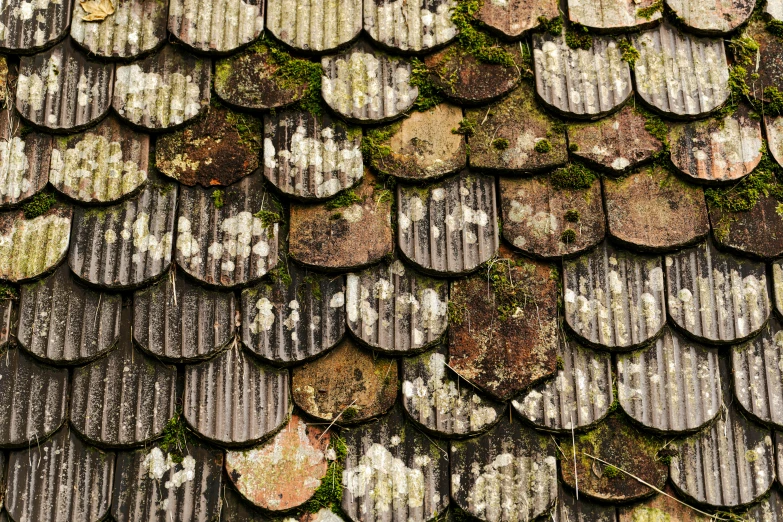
point(96, 10)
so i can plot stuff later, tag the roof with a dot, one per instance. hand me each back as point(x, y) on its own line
point(391, 261)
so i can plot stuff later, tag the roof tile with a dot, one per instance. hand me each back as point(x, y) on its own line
point(467, 81)
point(613, 16)
point(616, 143)
point(423, 146)
point(287, 322)
point(767, 64)
point(136, 27)
point(678, 74)
point(770, 508)
point(410, 25)
point(716, 17)
point(103, 414)
point(393, 308)
point(580, 395)
point(717, 149)
point(61, 89)
point(63, 322)
point(163, 91)
point(216, 27)
point(28, 31)
point(516, 135)
point(365, 85)
point(231, 238)
point(128, 244)
point(60, 480)
point(613, 298)
point(218, 149)
point(335, 237)
point(666, 505)
point(233, 400)
point(622, 446)
point(314, 25)
point(436, 399)
point(716, 297)
point(450, 227)
point(176, 320)
point(149, 488)
point(346, 385)
point(101, 165)
point(35, 399)
point(284, 472)
point(577, 82)
point(654, 210)
point(515, 305)
point(757, 232)
point(393, 451)
point(673, 385)
point(30, 248)
point(512, 19)
point(571, 509)
point(757, 374)
point(728, 465)
point(510, 462)
point(537, 216)
point(24, 160)
point(311, 157)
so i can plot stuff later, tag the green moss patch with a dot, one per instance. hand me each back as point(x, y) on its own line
point(467, 127)
point(39, 205)
point(268, 217)
point(217, 198)
point(512, 291)
point(343, 199)
point(430, 94)
point(8, 292)
point(573, 177)
point(542, 146)
point(329, 494)
point(553, 26)
point(578, 37)
point(764, 181)
point(174, 439)
point(484, 48)
point(293, 72)
point(648, 12)
point(629, 53)
point(500, 143)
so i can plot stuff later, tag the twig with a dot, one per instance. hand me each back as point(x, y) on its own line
point(335, 420)
point(659, 491)
point(573, 450)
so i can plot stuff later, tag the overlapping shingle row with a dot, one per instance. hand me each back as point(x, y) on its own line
point(427, 284)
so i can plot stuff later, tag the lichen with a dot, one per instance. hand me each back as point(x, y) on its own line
point(344, 199)
point(39, 205)
point(578, 37)
point(542, 146)
point(575, 176)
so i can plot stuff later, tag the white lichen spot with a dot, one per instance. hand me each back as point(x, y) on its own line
point(265, 317)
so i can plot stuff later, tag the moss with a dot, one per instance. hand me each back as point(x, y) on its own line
point(250, 128)
point(268, 217)
point(430, 94)
point(578, 37)
point(280, 274)
point(374, 146)
point(572, 216)
point(568, 236)
point(24, 130)
point(39, 205)
point(629, 53)
point(553, 26)
point(485, 48)
point(312, 282)
point(573, 147)
point(648, 12)
point(217, 198)
point(467, 127)
point(343, 199)
point(329, 494)
point(456, 313)
point(611, 472)
point(573, 177)
point(512, 293)
point(292, 73)
point(774, 104)
point(657, 128)
point(349, 413)
point(560, 363)
point(543, 146)
point(775, 27)
point(174, 438)
point(745, 49)
point(500, 143)
point(8, 292)
point(765, 180)
point(384, 195)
